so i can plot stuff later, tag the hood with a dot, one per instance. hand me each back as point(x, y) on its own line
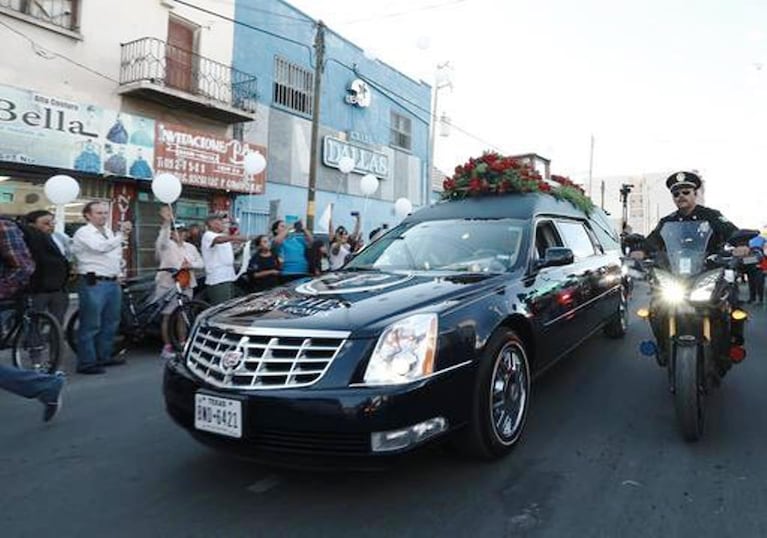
point(356, 301)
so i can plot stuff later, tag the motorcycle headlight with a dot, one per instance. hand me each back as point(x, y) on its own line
point(404, 352)
point(672, 291)
point(704, 287)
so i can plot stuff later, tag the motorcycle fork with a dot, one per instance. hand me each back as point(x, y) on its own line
point(695, 333)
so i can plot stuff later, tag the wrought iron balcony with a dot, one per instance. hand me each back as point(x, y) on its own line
point(153, 69)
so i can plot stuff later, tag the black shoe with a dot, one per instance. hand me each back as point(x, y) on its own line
point(113, 362)
point(91, 370)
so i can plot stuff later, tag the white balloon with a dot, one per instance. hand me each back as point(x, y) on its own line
point(424, 42)
point(346, 165)
point(166, 188)
point(61, 189)
point(254, 163)
point(368, 184)
point(403, 207)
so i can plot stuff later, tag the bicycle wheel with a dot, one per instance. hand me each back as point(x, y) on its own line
point(73, 326)
point(181, 321)
point(37, 345)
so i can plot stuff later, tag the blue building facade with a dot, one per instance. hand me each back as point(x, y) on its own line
point(369, 111)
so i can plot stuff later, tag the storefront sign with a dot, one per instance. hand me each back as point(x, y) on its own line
point(44, 130)
point(366, 160)
point(204, 160)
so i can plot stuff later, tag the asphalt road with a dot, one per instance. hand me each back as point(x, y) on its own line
point(601, 457)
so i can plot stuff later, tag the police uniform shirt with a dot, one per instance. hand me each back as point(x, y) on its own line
point(721, 227)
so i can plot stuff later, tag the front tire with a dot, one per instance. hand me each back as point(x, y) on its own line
point(181, 320)
point(501, 399)
point(688, 395)
point(618, 325)
point(37, 345)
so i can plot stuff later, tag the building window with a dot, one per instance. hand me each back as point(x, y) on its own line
point(401, 131)
point(60, 13)
point(293, 86)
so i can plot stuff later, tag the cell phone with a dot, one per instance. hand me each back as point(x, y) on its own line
point(355, 213)
point(298, 225)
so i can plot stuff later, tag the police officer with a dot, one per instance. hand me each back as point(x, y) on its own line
point(684, 190)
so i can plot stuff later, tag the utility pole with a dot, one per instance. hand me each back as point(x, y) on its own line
point(591, 166)
point(438, 85)
point(319, 68)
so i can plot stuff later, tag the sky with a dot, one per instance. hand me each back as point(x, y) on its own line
point(662, 85)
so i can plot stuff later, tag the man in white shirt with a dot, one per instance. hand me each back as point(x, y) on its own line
point(98, 252)
point(218, 255)
point(173, 252)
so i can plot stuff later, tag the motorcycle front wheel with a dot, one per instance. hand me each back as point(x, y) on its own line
point(688, 395)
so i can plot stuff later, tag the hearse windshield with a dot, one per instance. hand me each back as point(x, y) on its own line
point(458, 245)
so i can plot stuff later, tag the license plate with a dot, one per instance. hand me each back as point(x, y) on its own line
point(218, 415)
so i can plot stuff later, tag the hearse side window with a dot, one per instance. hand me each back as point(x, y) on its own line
point(576, 238)
point(606, 239)
point(546, 236)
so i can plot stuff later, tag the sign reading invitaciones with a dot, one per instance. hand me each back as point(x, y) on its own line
point(204, 160)
point(46, 130)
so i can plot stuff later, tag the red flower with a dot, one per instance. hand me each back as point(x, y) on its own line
point(498, 166)
point(475, 185)
point(458, 170)
point(448, 184)
point(544, 187)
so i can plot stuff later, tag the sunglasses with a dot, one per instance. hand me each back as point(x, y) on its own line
point(678, 193)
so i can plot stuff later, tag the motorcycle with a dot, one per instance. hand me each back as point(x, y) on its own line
point(695, 316)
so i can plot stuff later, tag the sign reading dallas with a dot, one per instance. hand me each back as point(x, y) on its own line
point(203, 160)
point(366, 160)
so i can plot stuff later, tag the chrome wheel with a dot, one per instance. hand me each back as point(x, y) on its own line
point(509, 392)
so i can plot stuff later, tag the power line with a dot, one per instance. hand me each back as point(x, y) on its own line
point(239, 5)
point(35, 45)
point(244, 24)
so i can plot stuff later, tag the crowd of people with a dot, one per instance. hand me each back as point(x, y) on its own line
point(44, 265)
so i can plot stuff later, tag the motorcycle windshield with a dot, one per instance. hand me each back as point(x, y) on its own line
point(686, 246)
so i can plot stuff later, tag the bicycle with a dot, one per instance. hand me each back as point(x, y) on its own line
point(33, 336)
point(137, 321)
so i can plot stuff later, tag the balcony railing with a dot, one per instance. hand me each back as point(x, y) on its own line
point(151, 61)
point(58, 13)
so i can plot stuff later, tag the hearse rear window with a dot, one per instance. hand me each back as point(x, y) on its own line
point(460, 245)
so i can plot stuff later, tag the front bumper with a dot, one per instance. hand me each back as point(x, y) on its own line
point(310, 423)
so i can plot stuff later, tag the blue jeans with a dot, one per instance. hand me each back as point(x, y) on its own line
point(99, 321)
point(30, 384)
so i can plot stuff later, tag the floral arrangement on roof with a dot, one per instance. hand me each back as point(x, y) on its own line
point(495, 174)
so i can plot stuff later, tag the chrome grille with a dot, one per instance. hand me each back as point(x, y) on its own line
point(254, 358)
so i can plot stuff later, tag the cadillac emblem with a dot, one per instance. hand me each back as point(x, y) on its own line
point(231, 359)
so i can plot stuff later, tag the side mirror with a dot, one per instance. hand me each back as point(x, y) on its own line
point(557, 256)
point(742, 237)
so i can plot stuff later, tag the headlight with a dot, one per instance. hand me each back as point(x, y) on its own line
point(704, 287)
point(404, 352)
point(672, 291)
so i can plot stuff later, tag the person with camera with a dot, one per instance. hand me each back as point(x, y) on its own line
point(98, 252)
point(291, 247)
point(342, 245)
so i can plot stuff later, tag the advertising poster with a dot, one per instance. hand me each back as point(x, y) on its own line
point(203, 160)
point(45, 130)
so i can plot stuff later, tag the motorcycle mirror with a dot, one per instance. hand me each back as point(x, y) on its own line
point(742, 237)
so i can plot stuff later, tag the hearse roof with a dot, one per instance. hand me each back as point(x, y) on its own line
point(515, 206)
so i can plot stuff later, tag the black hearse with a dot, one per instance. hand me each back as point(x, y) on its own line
point(434, 331)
